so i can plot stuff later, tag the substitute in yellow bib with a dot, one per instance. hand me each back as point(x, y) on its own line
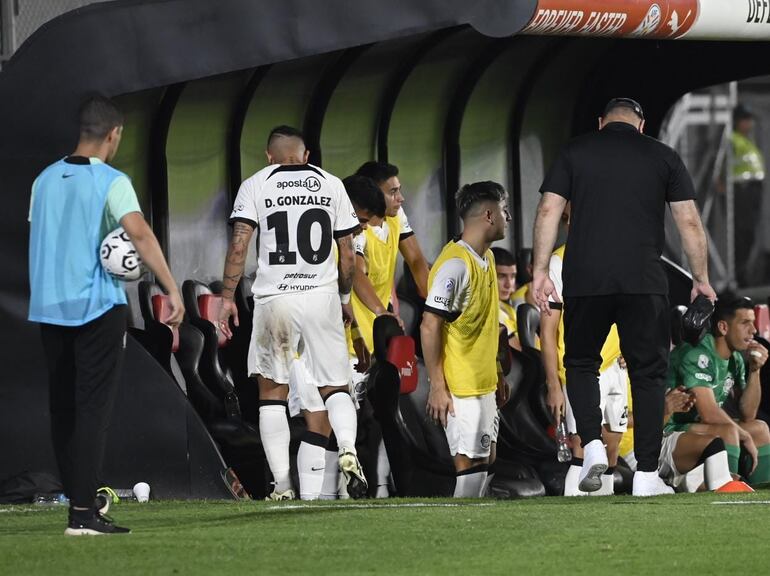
point(377, 251)
point(375, 193)
point(505, 264)
point(460, 336)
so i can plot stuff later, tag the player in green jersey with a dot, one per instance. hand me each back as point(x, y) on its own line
point(710, 370)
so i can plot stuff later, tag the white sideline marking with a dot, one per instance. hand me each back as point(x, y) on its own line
point(744, 502)
point(19, 509)
point(376, 506)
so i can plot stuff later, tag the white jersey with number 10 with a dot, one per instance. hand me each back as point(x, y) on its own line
point(298, 210)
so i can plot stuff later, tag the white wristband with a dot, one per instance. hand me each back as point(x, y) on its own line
point(345, 298)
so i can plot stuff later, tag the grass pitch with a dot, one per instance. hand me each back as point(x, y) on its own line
point(682, 534)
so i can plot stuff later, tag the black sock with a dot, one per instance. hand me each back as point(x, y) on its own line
point(716, 445)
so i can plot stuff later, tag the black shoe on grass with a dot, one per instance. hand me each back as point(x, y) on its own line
point(94, 526)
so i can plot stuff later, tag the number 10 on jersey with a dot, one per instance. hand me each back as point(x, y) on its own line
point(284, 255)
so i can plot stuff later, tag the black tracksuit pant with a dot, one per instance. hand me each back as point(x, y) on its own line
point(83, 367)
point(644, 329)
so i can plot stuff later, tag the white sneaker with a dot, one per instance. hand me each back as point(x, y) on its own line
point(594, 465)
point(281, 496)
point(650, 484)
point(608, 486)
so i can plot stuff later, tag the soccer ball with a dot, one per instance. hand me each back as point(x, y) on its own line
point(119, 257)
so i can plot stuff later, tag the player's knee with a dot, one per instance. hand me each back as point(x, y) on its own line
point(465, 463)
point(330, 391)
point(315, 438)
point(760, 432)
point(271, 391)
point(318, 423)
point(728, 433)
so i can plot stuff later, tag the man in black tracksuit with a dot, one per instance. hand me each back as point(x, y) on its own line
point(618, 182)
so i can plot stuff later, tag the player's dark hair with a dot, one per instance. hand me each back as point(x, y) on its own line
point(364, 193)
point(726, 307)
point(474, 194)
point(503, 257)
point(377, 171)
point(284, 130)
point(97, 116)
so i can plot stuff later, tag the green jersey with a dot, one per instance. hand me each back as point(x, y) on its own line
point(701, 366)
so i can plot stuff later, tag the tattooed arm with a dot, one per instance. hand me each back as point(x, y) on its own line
point(346, 267)
point(346, 264)
point(234, 265)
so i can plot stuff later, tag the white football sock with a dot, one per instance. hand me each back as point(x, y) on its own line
point(470, 482)
point(383, 471)
point(572, 479)
point(311, 462)
point(343, 418)
point(331, 473)
point(717, 470)
point(274, 431)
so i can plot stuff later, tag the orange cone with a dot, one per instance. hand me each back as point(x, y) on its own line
point(735, 486)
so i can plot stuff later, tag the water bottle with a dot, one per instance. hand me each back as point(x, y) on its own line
point(52, 499)
point(564, 454)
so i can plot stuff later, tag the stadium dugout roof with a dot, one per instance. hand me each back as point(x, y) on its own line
point(126, 46)
point(130, 45)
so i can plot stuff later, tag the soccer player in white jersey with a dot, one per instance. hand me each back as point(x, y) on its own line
point(301, 294)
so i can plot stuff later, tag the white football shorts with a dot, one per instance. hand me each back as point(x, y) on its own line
point(613, 403)
point(687, 482)
point(474, 426)
point(305, 327)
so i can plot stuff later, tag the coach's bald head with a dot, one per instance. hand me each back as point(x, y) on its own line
point(623, 110)
point(286, 145)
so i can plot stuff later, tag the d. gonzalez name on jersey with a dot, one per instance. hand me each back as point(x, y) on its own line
point(299, 201)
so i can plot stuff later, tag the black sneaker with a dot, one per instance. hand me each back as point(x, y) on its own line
point(94, 526)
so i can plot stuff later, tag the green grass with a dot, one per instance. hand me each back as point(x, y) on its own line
point(677, 535)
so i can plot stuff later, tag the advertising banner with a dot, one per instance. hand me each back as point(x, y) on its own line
point(657, 19)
